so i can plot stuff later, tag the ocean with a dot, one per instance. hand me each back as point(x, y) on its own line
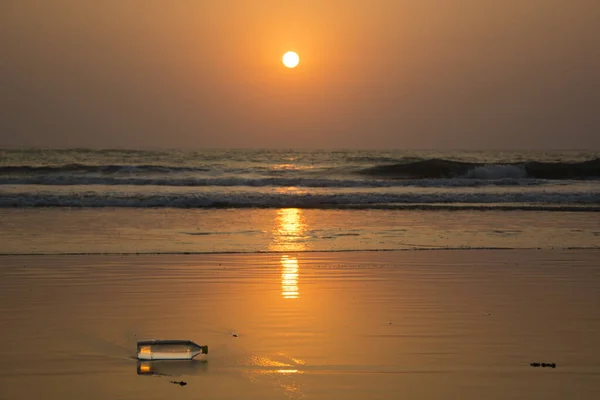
point(230, 200)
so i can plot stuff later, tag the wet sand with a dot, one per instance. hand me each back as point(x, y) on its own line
point(364, 325)
point(176, 231)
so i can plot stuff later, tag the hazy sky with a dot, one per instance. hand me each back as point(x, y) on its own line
point(428, 74)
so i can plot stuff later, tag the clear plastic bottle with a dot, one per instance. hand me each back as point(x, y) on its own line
point(169, 350)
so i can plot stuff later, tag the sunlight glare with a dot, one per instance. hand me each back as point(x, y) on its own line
point(289, 230)
point(289, 277)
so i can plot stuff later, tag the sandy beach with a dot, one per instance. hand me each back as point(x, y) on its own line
point(379, 325)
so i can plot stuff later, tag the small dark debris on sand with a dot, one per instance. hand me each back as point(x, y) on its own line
point(543, 365)
point(180, 383)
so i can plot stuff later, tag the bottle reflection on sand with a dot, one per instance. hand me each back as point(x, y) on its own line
point(172, 368)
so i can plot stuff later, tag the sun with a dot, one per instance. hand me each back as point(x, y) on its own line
point(291, 59)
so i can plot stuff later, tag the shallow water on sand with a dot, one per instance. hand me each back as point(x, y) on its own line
point(133, 231)
point(422, 325)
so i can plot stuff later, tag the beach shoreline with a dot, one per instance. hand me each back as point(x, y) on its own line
point(426, 324)
point(204, 231)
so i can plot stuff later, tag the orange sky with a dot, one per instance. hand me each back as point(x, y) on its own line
point(423, 74)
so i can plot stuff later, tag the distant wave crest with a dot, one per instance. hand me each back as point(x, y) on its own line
point(165, 180)
point(440, 168)
point(84, 168)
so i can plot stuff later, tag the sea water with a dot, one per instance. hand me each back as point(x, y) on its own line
point(212, 201)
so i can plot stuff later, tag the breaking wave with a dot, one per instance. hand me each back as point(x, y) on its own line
point(440, 168)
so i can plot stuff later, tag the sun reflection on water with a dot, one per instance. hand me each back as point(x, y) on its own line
point(288, 232)
point(284, 371)
point(287, 371)
point(289, 235)
point(289, 278)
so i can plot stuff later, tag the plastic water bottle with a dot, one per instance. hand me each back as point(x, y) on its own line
point(169, 350)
